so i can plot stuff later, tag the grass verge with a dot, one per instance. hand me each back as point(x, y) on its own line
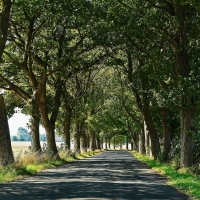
point(183, 179)
point(31, 163)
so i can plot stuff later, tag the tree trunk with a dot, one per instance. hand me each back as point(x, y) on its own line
point(109, 143)
point(187, 136)
point(6, 155)
point(83, 139)
point(98, 142)
point(142, 100)
point(142, 149)
point(4, 24)
point(51, 144)
point(76, 138)
point(106, 147)
point(88, 141)
point(167, 132)
point(114, 141)
point(120, 144)
point(68, 114)
point(49, 124)
point(126, 142)
point(180, 47)
point(135, 142)
point(92, 139)
point(35, 124)
point(155, 143)
point(132, 146)
point(102, 143)
point(147, 140)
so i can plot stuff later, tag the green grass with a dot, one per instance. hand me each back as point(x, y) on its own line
point(31, 163)
point(182, 179)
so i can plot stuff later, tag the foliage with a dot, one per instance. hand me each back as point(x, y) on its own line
point(23, 135)
point(116, 62)
point(43, 137)
point(14, 138)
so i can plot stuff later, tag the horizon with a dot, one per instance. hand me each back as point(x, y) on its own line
point(20, 120)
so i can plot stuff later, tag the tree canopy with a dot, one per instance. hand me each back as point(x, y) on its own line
point(90, 70)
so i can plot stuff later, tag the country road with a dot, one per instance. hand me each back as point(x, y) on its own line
point(114, 175)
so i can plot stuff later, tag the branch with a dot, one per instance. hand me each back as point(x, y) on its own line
point(125, 106)
point(134, 43)
point(39, 61)
point(17, 90)
point(57, 101)
point(169, 10)
point(14, 60)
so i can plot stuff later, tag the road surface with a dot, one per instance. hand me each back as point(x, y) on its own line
point(114, 175)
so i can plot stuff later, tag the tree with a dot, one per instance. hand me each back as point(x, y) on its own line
point(6, 154)
point(43, 137)
point(23, 135)
point(14, 138)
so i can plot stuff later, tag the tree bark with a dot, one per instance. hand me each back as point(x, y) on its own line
point(143, 104)
point(92, 139)
point(134, 138)
point(154, 139)
point(6, 155)
point(126, 142)
point(88, 141)
point(132, 145)
point(114, 141)
point(142, 149)
point(35, 123)
point(109, 143)
point(187, 136)
point(49, 124)
point(147, 140)
point(76, 138)
point(120, 144)
point(102, 143)
point(167, 132)
point(183, 69)
point(4, 24)
point(106, 146)
point(98, 142)
point(83, 139)
point(68, 115)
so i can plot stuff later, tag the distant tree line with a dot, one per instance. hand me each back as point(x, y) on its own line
point(24, 135)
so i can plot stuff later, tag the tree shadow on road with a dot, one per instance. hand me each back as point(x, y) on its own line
point(111, 175)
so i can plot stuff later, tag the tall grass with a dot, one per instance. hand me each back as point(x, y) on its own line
point(182, 179)
point(28, 163)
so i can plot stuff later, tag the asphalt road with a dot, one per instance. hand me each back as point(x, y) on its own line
point(115, 175)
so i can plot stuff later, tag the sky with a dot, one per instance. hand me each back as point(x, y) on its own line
point(20, 120)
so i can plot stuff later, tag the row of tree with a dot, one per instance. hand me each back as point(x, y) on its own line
point(23, 135)
point(98, 69)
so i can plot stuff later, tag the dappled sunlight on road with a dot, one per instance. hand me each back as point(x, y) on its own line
point(111, 175)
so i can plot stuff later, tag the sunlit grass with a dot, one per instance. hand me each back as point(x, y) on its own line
point(182, 179)
point(29, 163)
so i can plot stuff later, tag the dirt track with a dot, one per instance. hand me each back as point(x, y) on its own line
point(113, 175)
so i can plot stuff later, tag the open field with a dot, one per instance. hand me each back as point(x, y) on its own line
point(20, 147)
